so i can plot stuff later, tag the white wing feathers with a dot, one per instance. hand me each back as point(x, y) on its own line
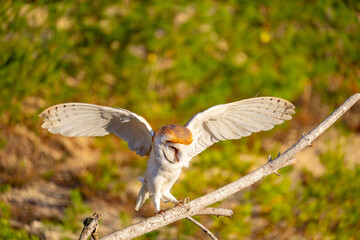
point(83, 120)
point(236, 120)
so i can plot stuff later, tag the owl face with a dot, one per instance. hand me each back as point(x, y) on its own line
point(171, 143)
point(172, 151)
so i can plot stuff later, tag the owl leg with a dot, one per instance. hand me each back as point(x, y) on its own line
point(169, 197)
point(156, 199)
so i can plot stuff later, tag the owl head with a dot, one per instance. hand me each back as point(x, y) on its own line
point(171, 142)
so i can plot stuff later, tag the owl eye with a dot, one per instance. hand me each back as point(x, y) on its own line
point(173, 148)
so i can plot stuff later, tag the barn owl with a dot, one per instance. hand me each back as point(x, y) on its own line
point(173, 146)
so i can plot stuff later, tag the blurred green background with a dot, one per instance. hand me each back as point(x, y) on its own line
point(167, 60)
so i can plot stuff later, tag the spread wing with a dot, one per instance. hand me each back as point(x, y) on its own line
point(236, 120)
point(83, 120)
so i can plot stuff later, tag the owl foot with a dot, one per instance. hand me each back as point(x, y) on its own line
point(160, 212)
point(182, 203)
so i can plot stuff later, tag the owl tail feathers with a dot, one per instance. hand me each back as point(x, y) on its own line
point(142, 197)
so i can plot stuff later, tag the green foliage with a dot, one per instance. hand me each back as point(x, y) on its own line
point(4, 187)
point(272, 201)
point(238, 225)
point(151, 236)
point(8, 232)
point(323, 205)
point(2, 143)
point(103, 177)
point(168, 60)
point(72, 219)
point(151, 56)
point(333, 201)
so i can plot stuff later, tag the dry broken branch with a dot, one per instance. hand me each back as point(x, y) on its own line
point(91, 224)
point(195, 206)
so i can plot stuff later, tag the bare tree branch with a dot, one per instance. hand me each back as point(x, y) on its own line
point(207, 231)
point(195, 206)
point(220, 212)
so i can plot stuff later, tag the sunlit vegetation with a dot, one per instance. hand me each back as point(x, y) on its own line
point(167, 60)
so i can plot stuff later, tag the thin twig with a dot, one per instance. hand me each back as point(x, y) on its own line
point(194, 206)
point(207, 231)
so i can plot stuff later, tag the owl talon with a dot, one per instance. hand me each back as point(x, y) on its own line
point(182, 203)
point(160, 212)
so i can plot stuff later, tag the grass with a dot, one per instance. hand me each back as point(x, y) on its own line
point(169, 60)
point(71, 219)
point(144, 57)
point(7, 231)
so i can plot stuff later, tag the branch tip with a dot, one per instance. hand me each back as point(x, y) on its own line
point(91, 225)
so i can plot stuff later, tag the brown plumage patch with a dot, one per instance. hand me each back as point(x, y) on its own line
point(176, 134)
